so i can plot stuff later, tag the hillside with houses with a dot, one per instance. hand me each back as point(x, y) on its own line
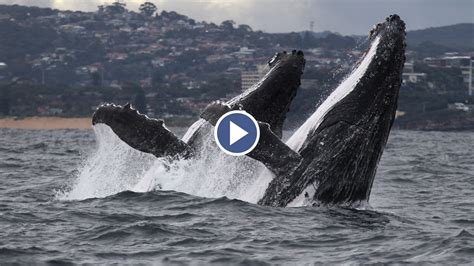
point(65, 63)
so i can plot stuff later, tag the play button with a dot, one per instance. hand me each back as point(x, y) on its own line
point(237, 133)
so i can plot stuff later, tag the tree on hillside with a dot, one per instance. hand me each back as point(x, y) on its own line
point(148, 9)
point(228, 25)
point(116, 7)
point(245, 28)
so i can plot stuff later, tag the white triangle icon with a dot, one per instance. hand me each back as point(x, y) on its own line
point(236, 133)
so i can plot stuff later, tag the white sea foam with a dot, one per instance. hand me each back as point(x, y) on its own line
point(115, 167)
point(112, 168)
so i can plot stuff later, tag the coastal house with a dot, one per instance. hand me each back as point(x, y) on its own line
point(244, 52)
point(410, 76)
point(413, 77)
point(71, 28)
point(251, 75)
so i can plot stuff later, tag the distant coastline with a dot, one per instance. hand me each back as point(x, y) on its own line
point(446, 120)
point(46, 123)
point(53, 122)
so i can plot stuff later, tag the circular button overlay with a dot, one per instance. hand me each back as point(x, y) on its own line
point(237, 133)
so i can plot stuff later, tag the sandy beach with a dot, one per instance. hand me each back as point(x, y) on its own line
point(45, 122)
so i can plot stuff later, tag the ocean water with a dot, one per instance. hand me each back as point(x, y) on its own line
point(421, 209)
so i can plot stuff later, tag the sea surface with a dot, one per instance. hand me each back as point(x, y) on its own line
point(421, 211)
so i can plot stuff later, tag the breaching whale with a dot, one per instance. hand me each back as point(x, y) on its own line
point(342, 143)
point(332, 158)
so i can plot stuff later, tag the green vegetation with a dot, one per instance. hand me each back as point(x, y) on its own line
point(148, 9)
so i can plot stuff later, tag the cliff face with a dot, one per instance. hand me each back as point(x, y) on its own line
point(446, 121)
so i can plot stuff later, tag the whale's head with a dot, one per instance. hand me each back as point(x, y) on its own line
point(269, 100)
point(373, 86)
point(139, 131)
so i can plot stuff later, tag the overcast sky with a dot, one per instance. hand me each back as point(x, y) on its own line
point(344, 16)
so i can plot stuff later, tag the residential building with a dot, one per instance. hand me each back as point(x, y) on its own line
point(244, 51)
point(252, 75)
point(413, 77)
point(410, 76)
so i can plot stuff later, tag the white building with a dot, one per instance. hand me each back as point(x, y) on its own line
point(245, 52)
point(249, 77)
point(408, 68)
point(458, 106)
point(413, 77)
point(410, 76)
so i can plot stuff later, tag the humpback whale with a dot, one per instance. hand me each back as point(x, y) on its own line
point(331, 159)
point(346, 136)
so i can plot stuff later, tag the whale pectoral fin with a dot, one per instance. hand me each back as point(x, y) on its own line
point(273, 153)
point(159, 141)
point(270, 150)
point(214, 111)
point(140, 132)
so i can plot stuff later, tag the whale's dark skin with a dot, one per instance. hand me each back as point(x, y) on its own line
point(340, 156)
point(268, 101)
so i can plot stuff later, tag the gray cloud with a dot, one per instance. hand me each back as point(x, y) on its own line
point(344, 16)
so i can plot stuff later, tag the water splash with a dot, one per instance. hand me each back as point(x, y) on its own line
point(112, 168)
point(115, 167)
